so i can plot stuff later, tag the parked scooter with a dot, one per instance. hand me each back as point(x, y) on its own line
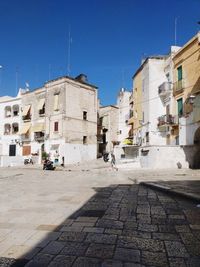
point(48, 165)
point(106, 156)
point(28, 161)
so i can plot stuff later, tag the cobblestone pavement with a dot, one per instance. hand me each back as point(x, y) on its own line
point(122, 225)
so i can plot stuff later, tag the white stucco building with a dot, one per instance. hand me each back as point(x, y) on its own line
point(123, 117)
point(10, 141)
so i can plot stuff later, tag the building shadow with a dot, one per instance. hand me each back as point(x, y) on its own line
point(119, 225)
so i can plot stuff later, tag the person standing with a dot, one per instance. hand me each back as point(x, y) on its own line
point(113, 161)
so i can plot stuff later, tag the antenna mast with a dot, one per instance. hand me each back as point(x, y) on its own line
point(69, 53)
point(175, 30)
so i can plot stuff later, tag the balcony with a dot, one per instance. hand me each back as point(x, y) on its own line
point(25, 137)
point(39, 137)
point(164, 89)
point(167, 120)
point(178, 87)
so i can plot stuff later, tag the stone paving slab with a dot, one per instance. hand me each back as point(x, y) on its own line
point(188, 189)
point(120, 225)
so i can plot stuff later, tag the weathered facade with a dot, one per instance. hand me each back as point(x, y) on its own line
point(108, 128)
point(187, 99)
point(123, 117)
point(10, 142)
point(58, 119)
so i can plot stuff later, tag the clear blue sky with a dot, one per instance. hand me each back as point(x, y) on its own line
point(109, 39)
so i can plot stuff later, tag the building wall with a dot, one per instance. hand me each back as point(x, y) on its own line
point(137, 107)
point(123, 104)
point(188, 58)
point(13, 138)
point(152, 106)
point(110, 117)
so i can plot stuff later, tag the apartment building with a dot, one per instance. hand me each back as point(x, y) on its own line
point(107, 128)
point(59, 119)
point(186, 93)
point(123, 117)
point(167, 122)
point(10, 141)
point(136, 107)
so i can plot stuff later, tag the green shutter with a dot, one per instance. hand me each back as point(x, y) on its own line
point(180, 106)
point(180, 73)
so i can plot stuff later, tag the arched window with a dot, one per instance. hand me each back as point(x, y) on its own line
point(7, 129)
point(15, 110)
point(15, 128)
point(7, 111)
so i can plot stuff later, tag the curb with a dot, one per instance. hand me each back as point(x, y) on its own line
point(169, 190)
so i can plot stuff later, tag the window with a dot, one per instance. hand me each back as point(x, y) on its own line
point(84, 115)
point(12, 150)
point(180, 107)
point(56, 126)
point(147, 137)
point(15, 110)
point(180, 73)
point(15, 128)
point(56, 102)
point(84, 140)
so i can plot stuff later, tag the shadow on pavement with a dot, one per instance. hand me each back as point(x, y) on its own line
point(122, 225)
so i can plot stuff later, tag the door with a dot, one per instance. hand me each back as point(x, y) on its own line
point(12, 150)
point(26, 150)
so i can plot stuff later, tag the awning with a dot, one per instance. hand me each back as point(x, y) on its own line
point(39, 127)
point(26, 110)
point(41, 104)
point(24, 129)
point(55, 107)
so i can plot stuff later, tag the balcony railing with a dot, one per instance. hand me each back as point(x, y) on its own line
point(39, 137)
point(167, 120)
point(164, 88)
point(178, 86)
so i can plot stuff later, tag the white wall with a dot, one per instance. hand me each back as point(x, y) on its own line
point(123, 104)
point(75, 153)
point(162, 157)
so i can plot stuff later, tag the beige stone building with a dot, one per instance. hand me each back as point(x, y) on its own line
point(61, 119)
point(186, 106)
point(107, 128)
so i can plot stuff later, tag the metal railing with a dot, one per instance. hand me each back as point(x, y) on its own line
point(178, 86)
point(165, 88)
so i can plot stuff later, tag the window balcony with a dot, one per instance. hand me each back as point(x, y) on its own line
point(167, 120)
point(39, 137)
point(178, 87)
point(164, 89)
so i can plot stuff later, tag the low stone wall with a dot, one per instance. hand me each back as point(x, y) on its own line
point(7, 161)
point(163, 157)
point(155, 157)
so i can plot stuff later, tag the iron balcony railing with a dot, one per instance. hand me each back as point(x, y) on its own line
point(167, 120)
point(165, 88)
point(178, 86)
